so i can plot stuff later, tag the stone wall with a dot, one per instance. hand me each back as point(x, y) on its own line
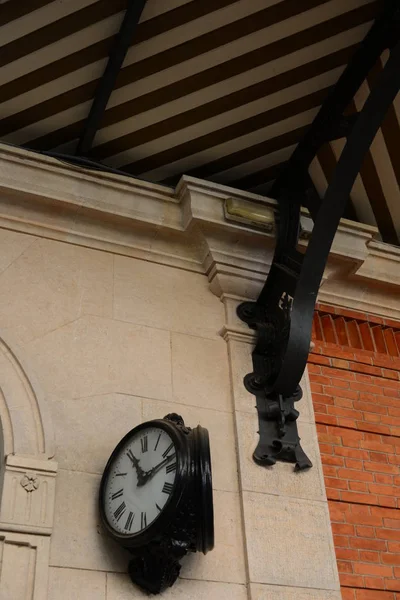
point(117, 305)
point(113, 341)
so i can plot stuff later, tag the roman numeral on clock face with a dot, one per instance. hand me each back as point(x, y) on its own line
point(171, 467)
point(143, 520)
point(168, 487)
point(158, 439)
point(165, 454)
point(144, 443)
point(129, 521)
point(117, 494)
point(120, 511)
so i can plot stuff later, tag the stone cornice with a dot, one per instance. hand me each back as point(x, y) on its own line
point(189, 227)
point(381, 264)
point(54, 179)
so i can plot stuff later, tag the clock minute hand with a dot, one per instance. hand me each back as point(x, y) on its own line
point(149, 474)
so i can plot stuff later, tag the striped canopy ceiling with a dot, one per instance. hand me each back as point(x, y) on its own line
point(221, 89)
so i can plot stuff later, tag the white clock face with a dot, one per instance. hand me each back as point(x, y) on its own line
point(140, 481)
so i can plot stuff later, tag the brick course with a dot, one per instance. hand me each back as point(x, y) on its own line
point(355, 381)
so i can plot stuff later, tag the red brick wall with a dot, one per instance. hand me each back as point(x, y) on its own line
point(355, 380)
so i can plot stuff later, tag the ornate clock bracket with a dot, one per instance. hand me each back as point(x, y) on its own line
point(156, 566)
point(282, 315)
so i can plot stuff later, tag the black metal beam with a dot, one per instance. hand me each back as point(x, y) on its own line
point(343, 128)
point(106, 85)
point(283, 313)
point(330, 121)
point(334, 202)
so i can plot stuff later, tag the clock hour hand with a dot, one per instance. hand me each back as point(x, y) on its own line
point(149, 474)
point(135, 462)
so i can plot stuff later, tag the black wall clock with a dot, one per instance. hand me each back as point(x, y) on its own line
point(156, 498)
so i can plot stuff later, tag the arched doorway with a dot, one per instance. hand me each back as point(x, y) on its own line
point(27, 477)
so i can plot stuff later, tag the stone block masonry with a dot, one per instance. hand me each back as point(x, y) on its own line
point(121, 298)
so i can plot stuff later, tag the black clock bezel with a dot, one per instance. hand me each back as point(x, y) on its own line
point(160, 524)
point(204, 495)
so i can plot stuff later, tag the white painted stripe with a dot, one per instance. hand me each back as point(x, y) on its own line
point(177, 73)
point(61, 48)
point(383, 164)
point(361, 203)
point(59, 9)
point(187, 32)
point(53, 89)
point(228, 118)
point(196, 28)
point(39, 18)
point(25, 135)
point(215, 152)
point(225, 53)
point(253, 166)
point(198, 98)
point(110, 26)
point(218, 90)
point(359, 195)
point(85, 74)
point(318, 177)
point(387, 176)
point(213, 21)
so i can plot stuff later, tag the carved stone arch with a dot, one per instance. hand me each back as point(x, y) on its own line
point(27, 477)
point(24, 415)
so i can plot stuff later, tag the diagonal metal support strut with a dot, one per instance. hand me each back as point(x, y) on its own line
point(283, 313)
point(107, 82)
